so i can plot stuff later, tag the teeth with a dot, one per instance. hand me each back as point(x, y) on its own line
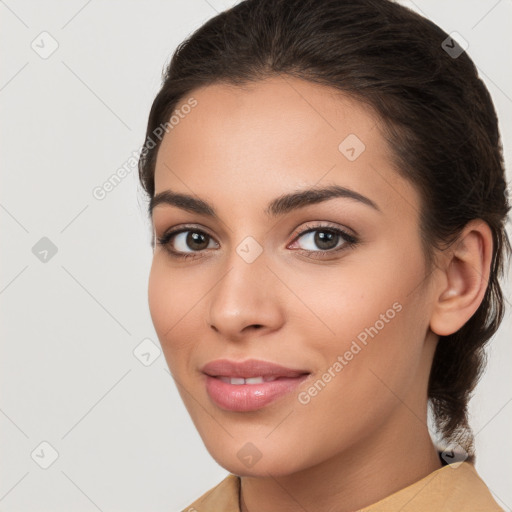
point(254, 380)
point(250, 380)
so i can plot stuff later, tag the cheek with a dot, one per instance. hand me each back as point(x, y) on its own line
point(351, 298)
point(377, 324)
point(366, 285)
point(176, 300)
point(171, 302)
point(160, 294)
point(368, 368)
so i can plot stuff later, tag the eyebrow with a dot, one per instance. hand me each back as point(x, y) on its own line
point(278, 206)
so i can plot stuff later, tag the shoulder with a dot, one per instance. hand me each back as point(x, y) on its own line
point(453, 488)
point(224, 496)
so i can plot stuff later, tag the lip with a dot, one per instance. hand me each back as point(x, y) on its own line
point(249, 397)
point(249, 368)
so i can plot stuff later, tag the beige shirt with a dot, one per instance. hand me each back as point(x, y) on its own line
point(452, 488)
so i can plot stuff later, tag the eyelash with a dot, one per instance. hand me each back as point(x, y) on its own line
point(350, 241)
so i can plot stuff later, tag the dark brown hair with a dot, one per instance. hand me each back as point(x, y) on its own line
point(437, 117)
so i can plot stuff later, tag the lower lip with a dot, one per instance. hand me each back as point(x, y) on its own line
point(249, 397)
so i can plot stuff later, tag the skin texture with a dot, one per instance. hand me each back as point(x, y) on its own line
point(364, 435)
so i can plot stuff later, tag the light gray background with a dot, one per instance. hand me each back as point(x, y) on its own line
point(70, 325)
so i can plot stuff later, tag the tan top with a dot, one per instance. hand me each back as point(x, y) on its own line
point(452, 488)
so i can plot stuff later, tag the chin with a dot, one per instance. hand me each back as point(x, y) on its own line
point(258, 459)
point(261, 468)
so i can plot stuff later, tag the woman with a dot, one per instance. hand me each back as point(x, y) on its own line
point(328, 199)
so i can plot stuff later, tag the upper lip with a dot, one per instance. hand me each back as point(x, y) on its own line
point(249, 368)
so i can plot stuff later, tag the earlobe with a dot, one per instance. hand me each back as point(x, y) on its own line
point(465, 276)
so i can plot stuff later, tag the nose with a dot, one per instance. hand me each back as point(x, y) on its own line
point(246, 300)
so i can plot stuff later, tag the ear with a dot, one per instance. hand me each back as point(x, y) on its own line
point(461, 286)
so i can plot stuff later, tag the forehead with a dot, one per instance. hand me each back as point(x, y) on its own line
point(272, 135)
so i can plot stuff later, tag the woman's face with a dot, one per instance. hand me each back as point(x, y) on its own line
point(272, 279)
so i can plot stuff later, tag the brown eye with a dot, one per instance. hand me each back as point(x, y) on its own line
point(321, 239)
point(324, 239)
point(186, 242)
point(196, 241)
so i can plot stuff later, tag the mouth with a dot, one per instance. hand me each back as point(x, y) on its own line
point(237, 381)
point(249, 385)
point(249, 369)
